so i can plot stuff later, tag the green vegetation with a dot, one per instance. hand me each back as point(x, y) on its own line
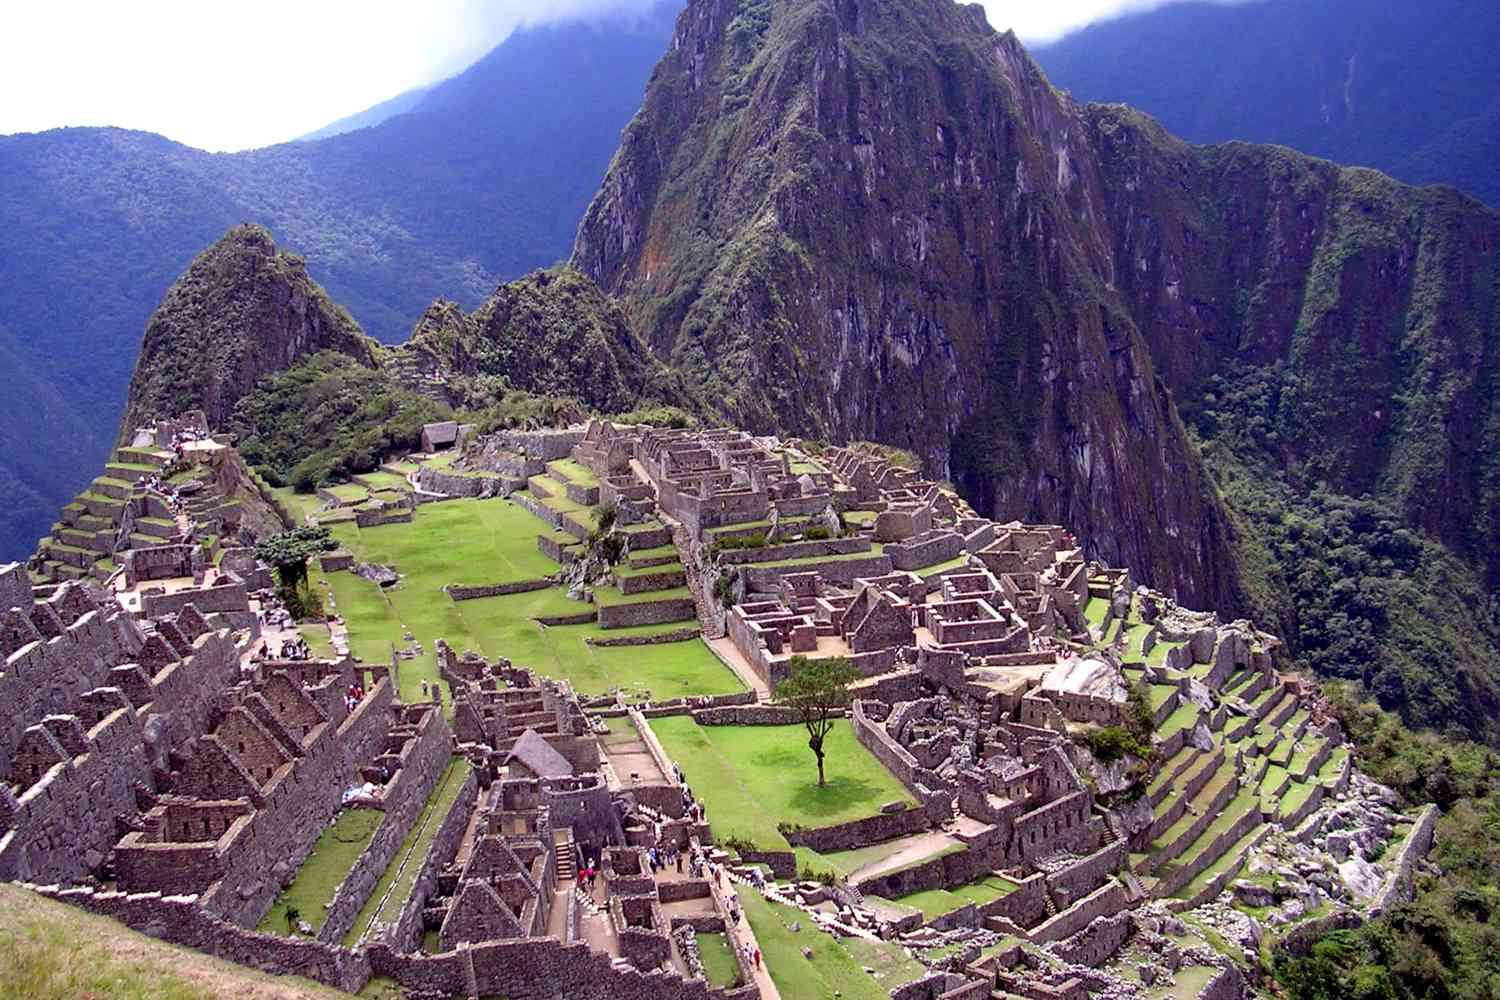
point(320, 876)
point(837, 967)
point(287, 554)
point(1443, 943)
point(394, 887)
point(935, 902)
point(52, 951)
point(817, 689)
point(720, 964)
point(753, 778)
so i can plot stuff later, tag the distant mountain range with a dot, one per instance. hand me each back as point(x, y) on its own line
point(1412, 89)
point(452, 190)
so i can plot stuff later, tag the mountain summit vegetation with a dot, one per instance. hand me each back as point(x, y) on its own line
point(481, 180)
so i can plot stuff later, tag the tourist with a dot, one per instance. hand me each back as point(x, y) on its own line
point(757, 959)
point(679, 861)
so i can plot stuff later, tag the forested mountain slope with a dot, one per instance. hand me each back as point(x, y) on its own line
point(878, 219)
point(481, 182)
point(1412, 89)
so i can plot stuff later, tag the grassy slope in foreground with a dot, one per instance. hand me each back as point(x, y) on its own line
point(837, 967)
point(51, 951)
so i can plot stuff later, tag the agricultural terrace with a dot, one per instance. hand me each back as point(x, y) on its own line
point(475, 542)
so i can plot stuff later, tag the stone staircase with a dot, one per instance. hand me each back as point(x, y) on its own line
point(697, 583)
point(566, 855)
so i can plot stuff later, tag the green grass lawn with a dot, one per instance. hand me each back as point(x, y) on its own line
point(325, 869)
point(837, 967)
point(573, 471)
point(752, 777)
point(610, 596)
point(936, 902)
point(719, 962)
point(467, 542)
point(415, 847)
point(385, 481)
point(318, 640)
point(1094, 611)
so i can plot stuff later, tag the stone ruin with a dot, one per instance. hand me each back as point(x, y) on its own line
point(160, 767)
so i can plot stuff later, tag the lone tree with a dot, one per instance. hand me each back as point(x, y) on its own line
point(818, 689)
point(288, 552)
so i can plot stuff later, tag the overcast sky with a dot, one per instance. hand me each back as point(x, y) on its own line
point(224, 76)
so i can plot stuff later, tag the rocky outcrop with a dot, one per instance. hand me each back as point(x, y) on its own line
point(832, 231)
point(859, 219)
point(243, 310)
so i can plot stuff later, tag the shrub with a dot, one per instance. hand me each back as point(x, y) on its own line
point(1111, 743)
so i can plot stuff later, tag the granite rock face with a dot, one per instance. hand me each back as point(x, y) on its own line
point(865, 219)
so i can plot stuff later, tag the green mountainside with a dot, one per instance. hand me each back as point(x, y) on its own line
point(481, 181)
point(1261, 380)
point(1412, 89)
point(246, 335)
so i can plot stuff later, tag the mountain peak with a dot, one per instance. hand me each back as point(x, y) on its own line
point(242, 310)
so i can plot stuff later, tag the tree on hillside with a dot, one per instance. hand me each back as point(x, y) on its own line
point(818, 689)
point(288, 552)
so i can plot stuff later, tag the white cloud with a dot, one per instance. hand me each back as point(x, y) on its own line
point(1037, 23)
point(226, 75)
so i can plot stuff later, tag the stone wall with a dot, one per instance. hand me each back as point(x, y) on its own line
point(457, 592)
point(1096, 943)
point(180, 920)
point(459, 484)
point(406, 932)
point(640, 583)
point(297, 808)
point(925, 551)
point(230, 596)
point(66, 821)
point(841, 571)
point(861, 832)
point(796, 550)
point(405, 795)
point(647, 613)
point(1418, 842)
point(1104, 901)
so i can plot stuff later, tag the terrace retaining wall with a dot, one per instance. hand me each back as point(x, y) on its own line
point(458, 592)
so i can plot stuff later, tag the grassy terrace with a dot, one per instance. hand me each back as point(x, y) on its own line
point(1226, 861)
point(607, 597)
point(627, 571)
point(719, 962)
point(1095, 610)
point(936, 902)
point(394, 888)
point(750, 778)
point(1247, 800)
point(874, 550)
point(1223, 775)
point(573, 471)
point(837, 966)
point(338, 847)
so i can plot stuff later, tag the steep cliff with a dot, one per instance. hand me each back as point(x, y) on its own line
point(241, 311)
point(876, 219)
point(870, 218)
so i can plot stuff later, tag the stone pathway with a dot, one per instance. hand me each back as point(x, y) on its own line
point(725, 649)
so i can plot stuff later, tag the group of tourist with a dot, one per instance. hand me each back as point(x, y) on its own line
point(661, 857)
point(353, 695)
point(295, 649)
